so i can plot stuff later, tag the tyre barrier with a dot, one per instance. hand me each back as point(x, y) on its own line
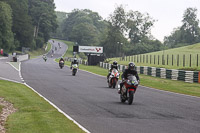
point(186, 76)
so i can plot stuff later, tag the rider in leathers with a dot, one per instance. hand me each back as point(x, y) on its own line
point(130, 71)
point(114, 65)
point(74, 62)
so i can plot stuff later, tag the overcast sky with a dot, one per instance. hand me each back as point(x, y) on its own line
point(168, 13)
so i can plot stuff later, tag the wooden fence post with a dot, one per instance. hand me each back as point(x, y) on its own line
point(150, 59)
point(178, 60)
point(190, 60)
point(167, 59)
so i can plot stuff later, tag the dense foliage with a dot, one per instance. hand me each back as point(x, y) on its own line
point(88, 28)
point(6, 35)
point(31, 21)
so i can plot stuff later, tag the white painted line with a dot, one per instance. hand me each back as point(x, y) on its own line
point(10, 80)
point(2, 58)
point(12, 66)
point(70, 118)
point(170, 92)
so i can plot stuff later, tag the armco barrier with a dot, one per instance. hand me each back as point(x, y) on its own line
point(187, 76)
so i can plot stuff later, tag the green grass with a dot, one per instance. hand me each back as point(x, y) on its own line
point(1, 107)
point(141, 60)
point(34, 114)
point(41, 51)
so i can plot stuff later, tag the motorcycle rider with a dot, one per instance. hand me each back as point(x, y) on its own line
point(61, 59)
point(44, 57)
point(130, 71)
point(74, 62)
point(114, 65)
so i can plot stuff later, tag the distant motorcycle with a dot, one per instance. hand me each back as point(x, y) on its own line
point(74, 69)
point(61, 64)
point(113, 78)
point(45, 58)
point(128, 89)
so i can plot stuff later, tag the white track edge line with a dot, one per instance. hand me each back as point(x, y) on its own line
point(12, 66)
point(10, 80)
point(169, 92)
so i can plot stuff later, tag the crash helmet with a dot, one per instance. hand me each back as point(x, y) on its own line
point(131, 66)
point(75, 60)
point(114, 63)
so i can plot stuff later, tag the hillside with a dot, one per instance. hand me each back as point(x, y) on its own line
point(187, 57)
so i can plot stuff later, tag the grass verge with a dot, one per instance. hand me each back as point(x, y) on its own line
point(34, 114)
point(1, 108)
point(181, 58)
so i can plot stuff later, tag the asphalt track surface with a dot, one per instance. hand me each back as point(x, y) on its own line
point(87, 99)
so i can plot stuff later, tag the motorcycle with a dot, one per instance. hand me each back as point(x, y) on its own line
point(113, 78)
point(74, 69)
point(128, 89)
point(61, 64)
point(45, 58)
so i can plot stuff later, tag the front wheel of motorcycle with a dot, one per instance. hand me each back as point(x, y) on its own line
point(122, 99)
point(114, 83)
point(131, 96)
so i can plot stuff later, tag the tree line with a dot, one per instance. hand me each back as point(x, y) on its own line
point(26, 23)
point(31, 23)
point(124, 32)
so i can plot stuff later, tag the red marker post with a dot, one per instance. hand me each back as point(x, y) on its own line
point(1, 51)
point(199, 77)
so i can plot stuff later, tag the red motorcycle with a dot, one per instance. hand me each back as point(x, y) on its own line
point(113, 78)
point(128, 89)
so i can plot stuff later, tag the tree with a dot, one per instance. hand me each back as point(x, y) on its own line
point(190, 28)
point(44, 20)
point(22, 24)
point(84, 27)
point(84, 34)
point(139, 26)
point(188, 33)
point(129, 25)
point(6, 35)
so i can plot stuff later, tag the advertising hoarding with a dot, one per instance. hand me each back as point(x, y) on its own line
point(90, 49)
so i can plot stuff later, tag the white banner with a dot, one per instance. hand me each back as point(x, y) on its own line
point(90, 49)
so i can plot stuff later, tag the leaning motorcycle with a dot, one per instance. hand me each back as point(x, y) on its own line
point(128, 89)
point(61, 64)
point(45, 58)
point(113, 78)
point(74, 69)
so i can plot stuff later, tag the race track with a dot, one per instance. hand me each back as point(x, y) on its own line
point(87, 99)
